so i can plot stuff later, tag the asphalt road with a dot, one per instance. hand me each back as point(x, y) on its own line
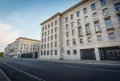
point(35, 70)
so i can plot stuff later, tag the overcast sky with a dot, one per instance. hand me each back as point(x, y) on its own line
point(23, 17)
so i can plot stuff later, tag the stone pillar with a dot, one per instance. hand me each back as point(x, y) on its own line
point(97, 54)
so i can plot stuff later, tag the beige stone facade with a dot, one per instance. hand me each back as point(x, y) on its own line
point(22, 46)
point(89, 30)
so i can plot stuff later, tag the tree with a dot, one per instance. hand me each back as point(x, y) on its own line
point(1, 54)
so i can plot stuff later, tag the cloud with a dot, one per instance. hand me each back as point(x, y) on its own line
point(7, 35)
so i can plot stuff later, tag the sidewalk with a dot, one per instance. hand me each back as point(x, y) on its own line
point(116, 63)
point(3, 76)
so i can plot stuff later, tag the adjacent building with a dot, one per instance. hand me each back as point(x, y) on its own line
point(23, 48)
point(89, 30)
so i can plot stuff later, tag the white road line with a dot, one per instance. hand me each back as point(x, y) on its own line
point(71, 66)
point(28, 74)
point(108, 70)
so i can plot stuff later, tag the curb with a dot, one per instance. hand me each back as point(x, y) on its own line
point(3, 76)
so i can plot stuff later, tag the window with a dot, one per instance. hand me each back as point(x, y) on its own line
point(42, 34)
point(105, 11)
point(86, 18)
point(111, 36)
point(44, 52)
point(51, 24)
point(99, 38)
point(67, 34)
point(95, 15)
point(87, 29)
point(84, 10)
point(68, 52)
point(108, 23)
point(47, 52)
point(48, 38)
point(48, 45)
point(93, 7)
point(44, 46)
point(55, 22)
point(66, 26)
point(71, 17)
point(66, 19)
point(41, 52)
point(81, 41)
point(55, 52)
point(48, 32)
point(72, 24)
point(103, 2)
point(78, 22)
point(73, 32)
point(79, 31)
point(45, 27)
point(51, 30)
point(55, 36)
point(78, 14)
point(89, 39)
point(48, 25)
point(68, 43)
point(97, 26)
point(55, 29)
point(51, 52)
point(55, 43)
point(74, 42)
point(74, 51)
point(51, 37)
point(117, 7)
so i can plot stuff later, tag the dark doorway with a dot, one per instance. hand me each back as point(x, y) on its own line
point(87, 54)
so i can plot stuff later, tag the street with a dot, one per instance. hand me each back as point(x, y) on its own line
point(36, 70)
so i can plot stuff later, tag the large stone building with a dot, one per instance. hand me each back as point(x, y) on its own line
point(23, 48)
point(89, 30)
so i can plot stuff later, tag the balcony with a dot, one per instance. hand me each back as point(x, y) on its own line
point(88, 33)
point(109, 28)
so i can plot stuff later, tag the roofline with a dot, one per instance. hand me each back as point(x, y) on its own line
point(28, 39)
point(51, 18)
point(74, 6)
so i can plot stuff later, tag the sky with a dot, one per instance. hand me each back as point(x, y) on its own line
point(22, 18)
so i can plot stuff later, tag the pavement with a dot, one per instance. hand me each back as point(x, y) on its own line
point(39, 70)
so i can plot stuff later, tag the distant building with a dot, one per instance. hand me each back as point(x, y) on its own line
point(23, 48)
point(89, 30)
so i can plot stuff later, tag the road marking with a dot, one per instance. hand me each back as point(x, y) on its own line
point(28, 74)
point(108, 70)
point(71, 66)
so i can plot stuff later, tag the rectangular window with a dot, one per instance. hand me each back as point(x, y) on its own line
point(55, 36)
point(95, 15)
point(67, 34)
point(78, 14)
point(84, 10)
point(55, 29)
point(68, 43)
point(105, 11)
point(55, 43)
point(72, 24)
point(93, 7)
point(55, 22)
point(51, 37)
point(51, 44)
point(66, 26)
point(73, 32)
point(66, 19)
point(74, 51)
point(99, 38)
point(79, 31)
point(48, 25)
point(55, 52)
point(68, 52)
point(119, 18)
point(47, 52)
point(71, 16)
point(89, 39)
point(44, 52)
point(51, 30)
point(45, 27)
point(51, 52)
point(111, 36)
point(74, 42)
point(78, 22)
point(41, 53)
point(97, 26)
point(108, 23)
point(81, 41)
point(103, 2)
point(117, 7)
point(86, 19)
point(87, 29)
point(51, 24)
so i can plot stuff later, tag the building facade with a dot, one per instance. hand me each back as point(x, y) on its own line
point(89, 30)
point(23, 48)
